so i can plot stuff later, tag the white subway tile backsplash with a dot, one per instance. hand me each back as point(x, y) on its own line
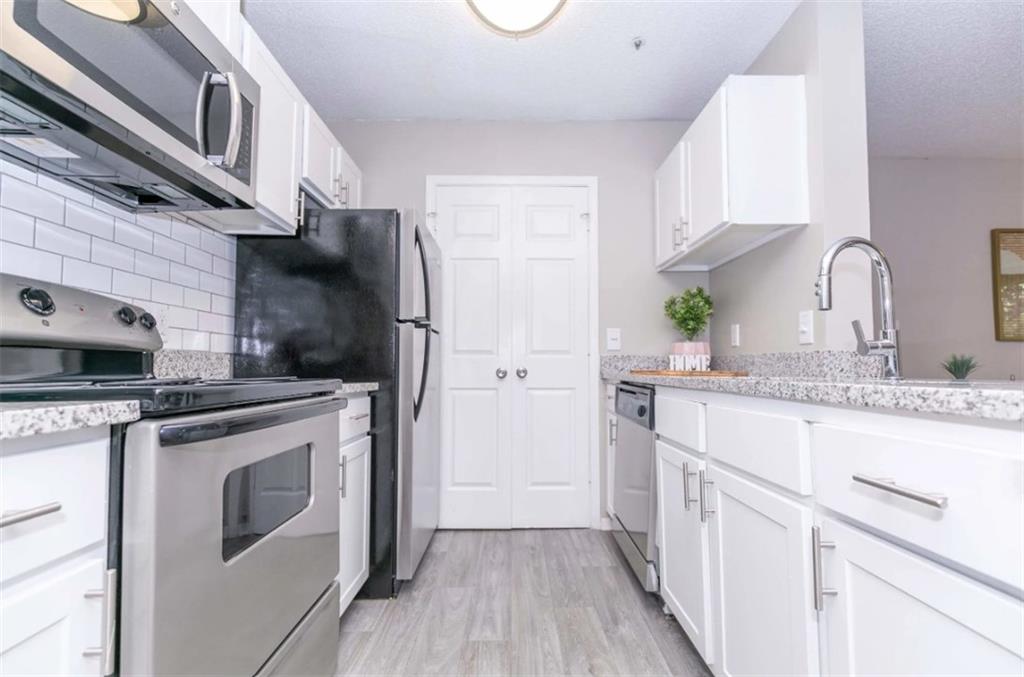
point(88, 220)
point(30, 199)
point(180, 272)
point(29, 262)
point(195, 340)
point(186, 232)
point(221, 324)
point(200, 300)
point(222, 343)
point(183, 275)
point(132, 285)
point(171, 294)
point(17, 227)
point(216, 284)
point(86, 275)
point(152, 266)
point(182, 318)
point(199, 259)
point(168, 248)
point(114, 255)
point(133, 235)
point(60, 240)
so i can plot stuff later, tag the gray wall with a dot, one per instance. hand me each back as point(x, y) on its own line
point(764, 290)
point(396, 157)
point(933, 218)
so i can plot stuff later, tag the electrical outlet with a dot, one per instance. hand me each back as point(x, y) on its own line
point(613, 339)
point(806, 327)
point(734, 335)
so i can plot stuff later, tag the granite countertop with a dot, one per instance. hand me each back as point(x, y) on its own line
point(23, 419)
point(356, 388)
point(990, 400)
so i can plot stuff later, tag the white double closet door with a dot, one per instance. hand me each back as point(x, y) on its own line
point(515, 427)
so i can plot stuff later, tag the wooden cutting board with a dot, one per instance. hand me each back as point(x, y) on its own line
point(699, 374)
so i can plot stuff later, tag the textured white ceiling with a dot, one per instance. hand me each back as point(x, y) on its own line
point(432, 59)
point(945, 79)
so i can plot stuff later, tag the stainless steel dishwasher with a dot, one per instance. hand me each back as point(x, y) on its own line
point(634, 501)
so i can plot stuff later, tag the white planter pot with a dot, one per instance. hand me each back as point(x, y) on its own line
point(690, 356)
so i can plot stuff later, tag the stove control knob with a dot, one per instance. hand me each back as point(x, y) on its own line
point(147, 321)
point(127, 315)
point(38, 301)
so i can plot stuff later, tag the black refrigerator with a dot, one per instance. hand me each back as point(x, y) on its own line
point(355, 295)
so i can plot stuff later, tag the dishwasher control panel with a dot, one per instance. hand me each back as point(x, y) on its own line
point(635, 402)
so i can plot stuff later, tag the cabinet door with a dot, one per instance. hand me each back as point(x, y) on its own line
point(671, 216)
point(354, 523)
point(278, 137)
point(319, 168)
point(761, 580)
point(709, 198)
point(224, 19)
point(684, 550)
point(899, 614)
point(350, 180)
point(53, 627)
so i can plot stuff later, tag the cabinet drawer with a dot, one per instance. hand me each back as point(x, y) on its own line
point(71, 474)
point(774, 448)
point(680, 421)
point(354, 420)
point(982, 523)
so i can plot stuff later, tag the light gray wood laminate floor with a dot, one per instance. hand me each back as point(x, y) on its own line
point(522, 602)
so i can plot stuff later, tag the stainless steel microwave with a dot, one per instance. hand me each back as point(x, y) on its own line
point(136, 101)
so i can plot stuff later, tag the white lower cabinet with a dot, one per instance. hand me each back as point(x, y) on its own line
point(896, 613)
point(683, 565)
point(354, 524)
point(765, 623)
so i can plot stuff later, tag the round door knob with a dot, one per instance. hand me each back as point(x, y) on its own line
point(521, 372)
point(38, 301)
point(501, 373)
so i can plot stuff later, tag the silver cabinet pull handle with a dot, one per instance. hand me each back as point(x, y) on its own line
point(19, 516)
point(613, 431)
point(92, 651)
point(521, 372)
point(359, 417)
point(885, 484)
point(702, 489)
point(687, 501)
point(819, 589)
point(501, 372)
point(344, 476)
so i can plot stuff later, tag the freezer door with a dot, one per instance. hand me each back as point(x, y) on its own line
point(419, 464)
point(419, 274)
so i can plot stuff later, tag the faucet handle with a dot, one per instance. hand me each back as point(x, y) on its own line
point(862, 344)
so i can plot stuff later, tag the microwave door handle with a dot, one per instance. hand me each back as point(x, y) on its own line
point(201, 99)
point(234, 142)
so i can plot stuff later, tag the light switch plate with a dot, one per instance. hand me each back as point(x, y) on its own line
point(806, 327)
point(734, 335)
point(613, 339)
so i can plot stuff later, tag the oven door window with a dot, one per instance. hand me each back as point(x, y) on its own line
point(262, 496)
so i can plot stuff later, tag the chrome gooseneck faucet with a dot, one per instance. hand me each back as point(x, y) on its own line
point(887, 344)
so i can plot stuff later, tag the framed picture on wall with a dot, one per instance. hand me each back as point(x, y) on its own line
point(1008, 282)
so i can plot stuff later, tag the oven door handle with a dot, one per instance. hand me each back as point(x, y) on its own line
point(177, 434)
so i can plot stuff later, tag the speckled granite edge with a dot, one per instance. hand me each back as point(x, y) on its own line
point(991, 403)
point(830, 364)
point(627, 362)
point(23, 420)
point(191, 364)
point(357, 388)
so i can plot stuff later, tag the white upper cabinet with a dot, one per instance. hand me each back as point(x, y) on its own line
point(320, 171)
point(224, 18)
point(672, 212)
point(350, 180)
point(739, 174)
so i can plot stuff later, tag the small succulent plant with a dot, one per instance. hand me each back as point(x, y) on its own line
point(689, 311)
point(960, 366)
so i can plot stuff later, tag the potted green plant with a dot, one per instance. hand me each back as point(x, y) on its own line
point(690, 313)
point(960, 366)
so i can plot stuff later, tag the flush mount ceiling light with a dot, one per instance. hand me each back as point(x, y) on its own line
point(516, 18)
point(123, 11)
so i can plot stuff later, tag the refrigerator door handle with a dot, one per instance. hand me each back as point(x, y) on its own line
point(426, 276)
point(417, 402)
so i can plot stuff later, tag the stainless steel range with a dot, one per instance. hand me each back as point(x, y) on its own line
point(224, 501)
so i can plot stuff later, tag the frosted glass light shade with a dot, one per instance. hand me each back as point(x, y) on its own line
point(516, 18)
